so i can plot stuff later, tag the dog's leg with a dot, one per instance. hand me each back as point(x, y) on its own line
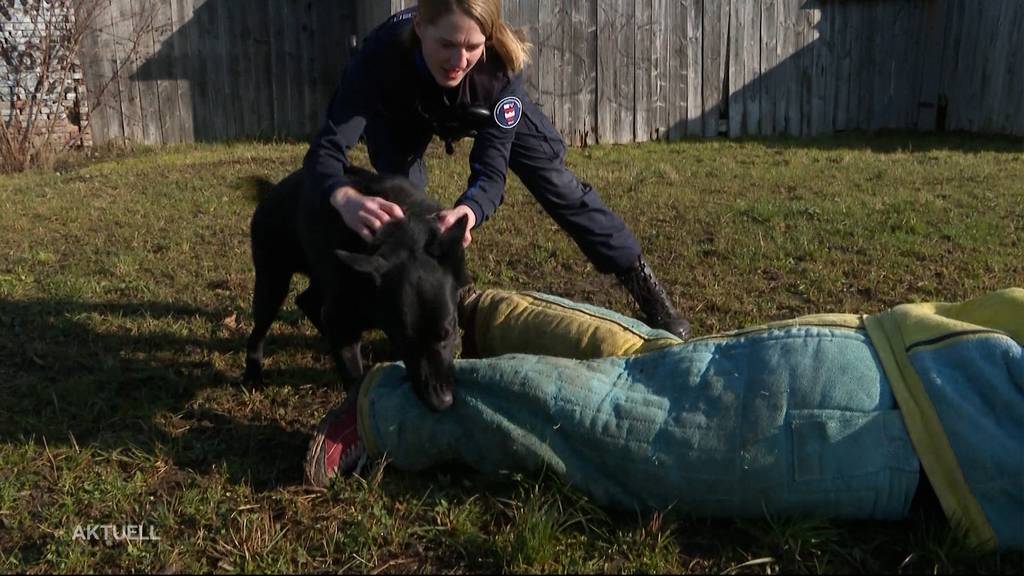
point(311, 303)
point(347, 355)
point(268, 294)
point(343, 342)
point(352, 362)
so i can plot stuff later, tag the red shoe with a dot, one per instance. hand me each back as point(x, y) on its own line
point(336, 449)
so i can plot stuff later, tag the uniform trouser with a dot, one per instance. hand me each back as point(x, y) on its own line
point(538, 158)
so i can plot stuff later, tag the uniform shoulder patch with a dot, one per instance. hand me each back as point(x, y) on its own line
point(508, 112)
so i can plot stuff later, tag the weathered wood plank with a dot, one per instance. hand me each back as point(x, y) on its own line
point(263, 69)
point(872, 64)
point(228, 64)
point(585, 66)
point(332, 53)
point(715, 31)
point(657, 112)
point(752, 73)
point(909, 69)
point(243, 55)
point(930, 49)
point(292, 70)
point(336, 31)
point(807, 34)
point(692, 19)
point(575, 79)
point(529, 21)
point(842, 49)
point(904, 15)
point(607, 16)
point(977, 90)
point(888, 47)
point(950, 63)
point(89, 58)
point(216, 70)
point(212, 70)
point(894, 60)
point(744, 93)
point(548, 57)
point(198, 22)
point(280, 77)
point(832, 72)
point(369, 15)
point(625, 62)
point(919, 52)
point(792, 56)
point(964, 77)
point(99, 70)
point(126, 56)
point(780, 72)
point(311, 69)
point(160, 62)
point(259, 51)
point(128, 93)
point(143, 20)
point(1014, 97)
point(675, 55)
point(642, 56)
point(181, 16)
point(509, 13)
point(824, 64)
point(310, 73)
point(846, 97)
point(910, 16)
point(736, 63)
point(889, 56)
point(267, 50)
point(997, 20)
point(236, 57)
point(981, 73)
point(564, 84)
point(769, 58)
point(992, 74)
point(744, 64)
point(590, 96)
point(328, 53)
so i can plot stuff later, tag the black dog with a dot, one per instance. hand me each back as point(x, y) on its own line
point(405, 282)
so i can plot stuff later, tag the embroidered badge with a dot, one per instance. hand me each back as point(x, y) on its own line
point(508, 112)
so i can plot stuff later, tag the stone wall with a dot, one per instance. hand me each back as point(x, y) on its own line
point(32, 33)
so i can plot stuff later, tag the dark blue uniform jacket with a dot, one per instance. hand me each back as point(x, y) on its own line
point(388, 94)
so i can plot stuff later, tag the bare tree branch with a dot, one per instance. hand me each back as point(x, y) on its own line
point(41, 63)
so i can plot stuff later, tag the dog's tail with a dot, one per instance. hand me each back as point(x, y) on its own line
point(258, 187)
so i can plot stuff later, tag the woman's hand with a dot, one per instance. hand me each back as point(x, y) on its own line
point(448, 217)
point(364, 214)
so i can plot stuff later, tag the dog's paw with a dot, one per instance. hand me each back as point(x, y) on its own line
point(253, 376)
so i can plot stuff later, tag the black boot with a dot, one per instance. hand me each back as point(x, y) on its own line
point(657, 309)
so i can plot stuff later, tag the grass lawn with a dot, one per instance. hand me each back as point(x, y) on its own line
point(124, 305)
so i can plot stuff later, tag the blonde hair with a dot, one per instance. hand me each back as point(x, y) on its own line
point(510, 44)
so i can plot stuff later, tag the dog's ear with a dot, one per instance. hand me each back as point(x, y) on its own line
point(450, 242)
point(371, 265)
point(448, 250)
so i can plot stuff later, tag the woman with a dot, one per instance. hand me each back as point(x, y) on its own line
point(452, 68)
